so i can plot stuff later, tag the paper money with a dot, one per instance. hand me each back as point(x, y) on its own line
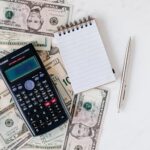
point(13, 130)
point(14, 40)
point(36, 17)
point(83, 131)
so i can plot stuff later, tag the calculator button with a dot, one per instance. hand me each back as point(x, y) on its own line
point(33, 123)
point(41, 107)
point(43, 93)
point(36, 78)
point(18, 95)
point(36, 91)
point(46, 85)
point(33, 98)
point(48, 90)
point(42, 75)
point(38, 96)
point(44, 113)
point(30, 106)
point(53, 100)
point(35, 103)
point(25, 108)
point(46, 98)
point(25, 97)
point(31, 119)
point(39, 84)
point(51, 94)
point(38, 116)
point(62, 117)
point(14, 89)
point(20, 99)
point(41, 89)
point(47, 118)
point(37, 130)
point(53, 115)
point(45, 81)
point(31, 94)
point(22, 104)
point(50, 123)
point(29, 85)
point(56, 106)
point(34, 110)
point(59, 111)
point(28, 113)
point(23, 92)
point(28, 101)
point(46, 104)
point(40, 121)
point(56, 120)
point(40, 100)
point(20, 87)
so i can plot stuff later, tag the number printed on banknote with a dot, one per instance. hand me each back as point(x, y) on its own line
point(36, 17)
point(83, 131)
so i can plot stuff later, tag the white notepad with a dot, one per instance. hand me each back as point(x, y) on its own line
point(84, 56)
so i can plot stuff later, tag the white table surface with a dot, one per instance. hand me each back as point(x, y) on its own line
point(117, 20)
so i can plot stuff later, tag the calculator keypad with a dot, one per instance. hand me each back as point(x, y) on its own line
point(39, 104)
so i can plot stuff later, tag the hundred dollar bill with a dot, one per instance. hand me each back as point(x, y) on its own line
point(14, 40)
point(30, 16)
point(13, 132)
point(83, 131)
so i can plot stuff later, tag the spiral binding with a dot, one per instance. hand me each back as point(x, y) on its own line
point(76, 25)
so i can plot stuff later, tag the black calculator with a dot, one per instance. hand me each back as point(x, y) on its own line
point(34, 93)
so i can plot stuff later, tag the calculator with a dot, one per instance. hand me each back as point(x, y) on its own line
point(38, 101)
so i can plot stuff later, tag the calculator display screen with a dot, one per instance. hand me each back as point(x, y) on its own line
point(23, 68)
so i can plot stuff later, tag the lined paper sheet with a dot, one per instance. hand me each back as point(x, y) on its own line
point(85, 58)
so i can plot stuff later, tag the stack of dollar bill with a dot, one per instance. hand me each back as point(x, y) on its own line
point(34, 21)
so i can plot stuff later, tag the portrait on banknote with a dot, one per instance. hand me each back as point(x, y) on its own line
point(79, 131)
point(34, 20)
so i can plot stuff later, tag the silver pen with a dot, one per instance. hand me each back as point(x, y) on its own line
point(124, 75)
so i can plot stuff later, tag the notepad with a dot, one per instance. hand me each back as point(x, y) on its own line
point(84, 55)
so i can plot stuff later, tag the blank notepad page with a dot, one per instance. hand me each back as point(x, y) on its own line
point(85, 58)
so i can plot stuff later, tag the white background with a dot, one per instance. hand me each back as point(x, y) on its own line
point(117, 20)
